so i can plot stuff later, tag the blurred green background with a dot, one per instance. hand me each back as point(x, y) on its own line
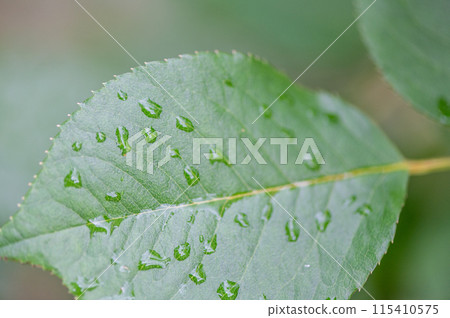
point(52, 54)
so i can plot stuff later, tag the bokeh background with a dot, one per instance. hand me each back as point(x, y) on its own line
point(52, 55)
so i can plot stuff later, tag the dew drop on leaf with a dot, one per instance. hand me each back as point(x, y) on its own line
point(211, 245)
point(182, 251)
point(82, 285)
point(184, 124)
point(267, 111)
point(122, 139)
point(444, 107)
point(267, 212)
point(201, 238)
point(228, 290)
point(242, 220)
point(100, 136)
point(312, 164)
point(73, 179)
point(122, 95)
point(150, 134)
point(322, 220)
point(76, 146)
point(152, 259)
point(292, 230)
point(174, 153)
point(113, 196)
point(97, 225)
point(228, 83)
point(192, 176)
point(198, 275)
point(364, 209)
point(150, 108)
point(332, 118)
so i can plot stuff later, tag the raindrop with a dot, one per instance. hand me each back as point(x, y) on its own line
point(322, 220)
point(83, 285)
point(76, 146)
point(100, 136)
point(122, 95)
point(228, 290)
point(184, 124)
point(174, 153)
point(267, 111)
point(444, 107)
point(292, 230)
point(198, 275)
point(150, 134)
point(113, 196)
point(97, 225)
point(217, 156)
point(229, 83)
point(364, 209)
point(73, 179)
point(242, 220)
point(211, 245)
point(350, 200)
point(201, 238)
point(312, 164)
point(191, 219)
point(192, 176)
point(182, 251)
point(150, 108)
point(332, 118)
point(122, 139)
point(267, 212)
point(152, 259)
point(114, 222)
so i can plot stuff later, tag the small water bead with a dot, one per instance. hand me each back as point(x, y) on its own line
point(182, 251)
point(332, 118)
point(191, 219)
point(211, 245)
point(201, 238)
point(76, 146)
point(322, 220)
point(242, 220)
point(122, 95)
point(184, 124)
point(216, 156)
point(350, 200)
point(267, 212)
point(73, 179)
point(152, 259)
point(100, 136)
point(192, 175)
point(174, 153)
point(263, 297)
point(122, 139)
point(444, 107)
point(228, 83)
point(97, 225)
point(113, 222)
point(312, 164)
point(228, 290)
point(198, 275)
point(150, 108)
point(266, 111)
point(150, 134)
point(364, 209)
point(292, 230)
point(113, 196)
point(83, 285)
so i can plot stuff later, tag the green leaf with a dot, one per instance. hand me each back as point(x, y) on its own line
point(410, 40)
point(209, 230)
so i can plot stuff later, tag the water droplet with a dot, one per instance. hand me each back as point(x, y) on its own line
point(76, 146)
point(83, 285)
point(198, 275)
point(201, 238)
point(364, 209)
point(122, 139)
point(350, 200)
point(113, 222)
point(191, 219)
point(292, 230)
point(312, 164)
point(228, 290)
point(184, 124)
point(182, 251)
point(267, 212)
point(124, 269)
point(242, 220)
point(73, 179)
point(152, 259)
point(332, 118)
point(267, 111)
point(322, 220)
point(97, 225)
point(444, 107)
point(229, 83)
point(217, 156)
point(192, 176)
point(174, 153)
point(122, 95)
point(150, 108)
point(307, 266)
point(263, 297)
point(113, 196)
point(150, 134)
point(211, 245)
point(100, 136)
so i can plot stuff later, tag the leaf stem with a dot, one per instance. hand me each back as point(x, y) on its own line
point(426, 166)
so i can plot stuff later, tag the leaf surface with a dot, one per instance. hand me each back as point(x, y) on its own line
point(214, 230)
point(410, 40)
